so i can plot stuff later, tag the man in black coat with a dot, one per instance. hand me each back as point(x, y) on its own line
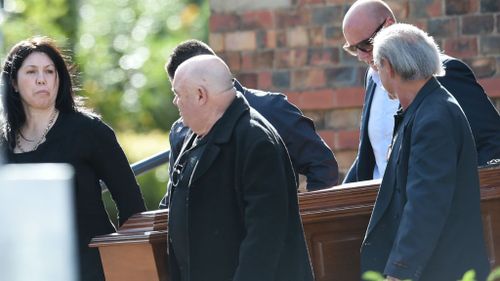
point(362, 22)
point(310, 155)
point(233, 204)
point(426, 222)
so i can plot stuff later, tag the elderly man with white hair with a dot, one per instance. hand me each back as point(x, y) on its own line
point(426, 222)
point(233, 203)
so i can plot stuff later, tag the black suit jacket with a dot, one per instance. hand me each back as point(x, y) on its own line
point(426, 222)
point(461, 83)
point(242, 210)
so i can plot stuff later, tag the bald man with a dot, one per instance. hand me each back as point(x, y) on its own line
point(361, 23)
point(233, 203)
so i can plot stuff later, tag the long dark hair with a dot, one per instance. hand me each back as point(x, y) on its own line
point(14, 116)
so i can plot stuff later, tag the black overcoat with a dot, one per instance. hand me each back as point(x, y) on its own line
point(243, 221)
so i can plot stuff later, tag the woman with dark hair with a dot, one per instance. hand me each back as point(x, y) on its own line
point(43, 122)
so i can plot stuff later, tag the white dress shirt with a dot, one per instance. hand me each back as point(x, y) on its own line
point(380, 124)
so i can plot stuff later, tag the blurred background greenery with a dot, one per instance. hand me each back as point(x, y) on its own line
point(119, 48)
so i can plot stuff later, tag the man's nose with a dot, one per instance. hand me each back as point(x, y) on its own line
point(174, 101)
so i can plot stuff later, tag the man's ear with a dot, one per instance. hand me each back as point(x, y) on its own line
point(202, 95)
point(390, 70)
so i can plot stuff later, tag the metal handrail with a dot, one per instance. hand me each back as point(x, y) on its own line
point(150, 163)
point(144, 165)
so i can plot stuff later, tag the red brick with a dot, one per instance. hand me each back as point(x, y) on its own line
point(462, 47)
point(334, 36)
point(264, 80)
point(266, 39)
point(345, 158)
point(323, 56)
point(482, 66)
point(216, 42)
point(316, 36)
point(313, 100)
point(257, 19)
point(308, 78)
point(240, 41)
point(294, 98)
point(328, 14)
point(248, 79)
point(290, 58)
point(346, 140)
point(399, 8)
point(342, 2)
point(318, 118)
point(491, 86)
point(443, 27)
point(271, 39)
point(425, 9)
point(343, 118)
point(292, 17)
point(297, 37)
point(328, 136)
point(232, 59)
point(281, 40)
point(420, 23)
point(348, 97)
point(257, 60)
point(309, 2)
point(223, 22)
point(247, 60)
point(461, 7)
point(489, 45)
point(478, 24)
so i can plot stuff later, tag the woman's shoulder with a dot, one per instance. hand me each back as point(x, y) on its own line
point(87, 122)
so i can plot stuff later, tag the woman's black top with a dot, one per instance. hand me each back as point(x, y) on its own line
point(91, 147)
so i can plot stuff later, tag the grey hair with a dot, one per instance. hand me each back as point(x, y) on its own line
point(412, 53)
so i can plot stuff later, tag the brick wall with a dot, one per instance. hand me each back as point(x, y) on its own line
point(295, 47)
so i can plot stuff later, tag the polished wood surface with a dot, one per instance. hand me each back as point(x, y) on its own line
point(334, 221)
point(138, 250)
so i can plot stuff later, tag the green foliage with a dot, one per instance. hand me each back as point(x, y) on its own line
point(494, 275)
point(373, 276)
point(122, 46)
point(468, 276)
point(26, 18)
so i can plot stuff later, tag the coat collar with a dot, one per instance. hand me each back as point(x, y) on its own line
point(223, 128)
point(221, 133)
point(428, 88)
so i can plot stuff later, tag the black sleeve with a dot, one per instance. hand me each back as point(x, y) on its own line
point(310, 155)
point(113, 168)
point(483, 118)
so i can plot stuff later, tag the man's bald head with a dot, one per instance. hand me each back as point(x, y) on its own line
point(207, 71)
point(361, 22)
point(203, 90)
point(363, 12)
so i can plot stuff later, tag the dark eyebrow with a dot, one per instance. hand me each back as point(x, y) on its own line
point(48, 65)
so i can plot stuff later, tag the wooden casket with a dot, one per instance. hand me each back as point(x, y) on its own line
point(334, 219)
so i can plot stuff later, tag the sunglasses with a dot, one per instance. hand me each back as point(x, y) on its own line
point(365, 45)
